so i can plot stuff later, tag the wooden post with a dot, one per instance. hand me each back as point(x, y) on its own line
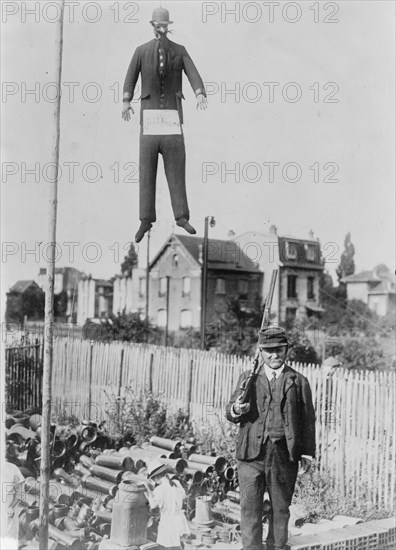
point(120, 373)
point(167, 311)
point(189, 388)
point(151, 373)
point(343, 420)
point(90, 382)
point(49, 303)
point(204, 280)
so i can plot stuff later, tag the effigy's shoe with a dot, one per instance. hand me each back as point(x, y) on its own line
point(183, 222)
point(144, 227)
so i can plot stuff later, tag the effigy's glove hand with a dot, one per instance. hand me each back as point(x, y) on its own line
point(126, 115)
point(202, 102)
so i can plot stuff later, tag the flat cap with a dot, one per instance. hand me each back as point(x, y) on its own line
point(272, 337)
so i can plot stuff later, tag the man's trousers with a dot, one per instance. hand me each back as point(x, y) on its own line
point(173, 152)
point(272, 471)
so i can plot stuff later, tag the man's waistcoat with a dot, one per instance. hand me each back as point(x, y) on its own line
point(273, 423)
point(295, 413)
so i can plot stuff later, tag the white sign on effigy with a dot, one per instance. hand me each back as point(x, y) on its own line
point(157, 122)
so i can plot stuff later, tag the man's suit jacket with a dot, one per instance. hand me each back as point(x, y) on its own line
point(145, 62)
point(296, 408)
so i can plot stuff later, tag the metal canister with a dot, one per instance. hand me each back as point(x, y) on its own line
point(130, 515)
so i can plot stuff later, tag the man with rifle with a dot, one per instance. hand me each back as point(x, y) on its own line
point(273, 407)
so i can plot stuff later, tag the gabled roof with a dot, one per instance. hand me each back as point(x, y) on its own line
point(21, 286)
point(362, 277)
point(222, 254)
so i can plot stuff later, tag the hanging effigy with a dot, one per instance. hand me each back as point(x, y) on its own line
point(161, 63)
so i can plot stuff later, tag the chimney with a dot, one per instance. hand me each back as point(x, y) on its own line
point(311, 235)
point(273, 230)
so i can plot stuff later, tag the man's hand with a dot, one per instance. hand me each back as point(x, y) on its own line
point(241, 408)
point(202, 102)
point(126, 107)
point(305, 465)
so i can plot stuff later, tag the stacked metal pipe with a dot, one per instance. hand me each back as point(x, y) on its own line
point(87, 471)
point(67, 445)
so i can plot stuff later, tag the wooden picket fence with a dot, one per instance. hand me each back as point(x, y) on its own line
point(355, 410)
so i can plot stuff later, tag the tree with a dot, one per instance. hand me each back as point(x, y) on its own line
point(300, 348)
point(235, 330)
point(347, 265)
point(360, 353)
point(332, 298)
point(130, 261)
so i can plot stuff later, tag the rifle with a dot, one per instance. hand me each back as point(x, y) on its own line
point(247, 384)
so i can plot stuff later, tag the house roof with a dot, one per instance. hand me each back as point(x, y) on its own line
point(362, 277)
point(301, 260)
point(22, 286)
point(222, 254)
point(381, 277)
point(384, 287)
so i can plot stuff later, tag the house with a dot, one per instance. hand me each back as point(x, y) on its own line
point(65, 291)
point(299, 266)
point(129, 293)
point(95, 299)
point(176, 281)
point(25, 301)
point(376, 288)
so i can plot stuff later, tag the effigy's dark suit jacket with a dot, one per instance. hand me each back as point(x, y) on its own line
point(297, 412)
point(145, 61)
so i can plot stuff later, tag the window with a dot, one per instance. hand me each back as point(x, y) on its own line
point(162, 286)
point(292, 286)
point(243, 288)
point(175, 260)
point(220, 286)
point(310, 253)
point(142, 286)
point(161, 318)
point(310, 288)
point(185, 318)
point(290, 314)
point(291, 251)
point(186, 286)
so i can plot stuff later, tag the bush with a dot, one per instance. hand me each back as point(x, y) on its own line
point(300, 348)
point(139, 416)
point(316, 492)
point(219, 439)
point(125, 327)
point(359, 353)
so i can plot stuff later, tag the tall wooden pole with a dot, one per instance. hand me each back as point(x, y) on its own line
point(204, 280)
point(49, 302)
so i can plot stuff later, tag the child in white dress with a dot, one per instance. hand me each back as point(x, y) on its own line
point(168, 496)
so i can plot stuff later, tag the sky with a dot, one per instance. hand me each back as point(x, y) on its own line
point(299, 130)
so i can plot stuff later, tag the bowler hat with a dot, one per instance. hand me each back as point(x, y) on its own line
point(161, 16)
point(156, 468)
point(272, 337)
